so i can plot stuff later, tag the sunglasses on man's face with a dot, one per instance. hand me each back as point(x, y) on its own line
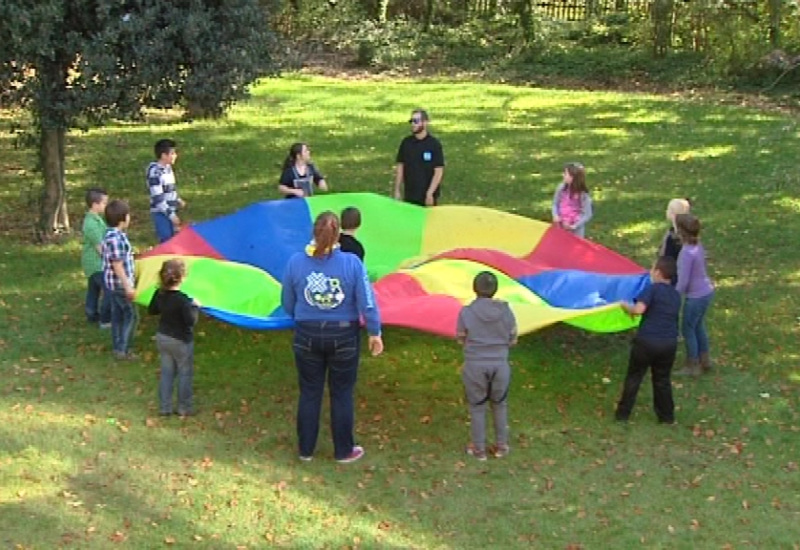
point(415, 120)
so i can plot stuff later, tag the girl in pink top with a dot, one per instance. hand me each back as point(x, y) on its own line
point(572, 205)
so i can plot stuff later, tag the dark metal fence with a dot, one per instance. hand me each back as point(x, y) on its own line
point(578, 10)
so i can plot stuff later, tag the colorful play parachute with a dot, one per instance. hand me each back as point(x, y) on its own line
point(422, 262)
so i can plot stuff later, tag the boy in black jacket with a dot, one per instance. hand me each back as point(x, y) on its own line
point(655, 343)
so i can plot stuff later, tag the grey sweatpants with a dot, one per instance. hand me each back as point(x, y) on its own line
point(177, 361)
point(487, 384)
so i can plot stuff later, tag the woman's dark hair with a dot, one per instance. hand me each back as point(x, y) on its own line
point(688, 227)
point(116, 212)
point(172, 272)
point(326, 233)
point(485, 284)
point(294, 151)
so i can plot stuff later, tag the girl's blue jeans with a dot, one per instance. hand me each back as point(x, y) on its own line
point(693, 327)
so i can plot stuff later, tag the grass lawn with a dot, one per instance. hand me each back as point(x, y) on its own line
point(85, 461)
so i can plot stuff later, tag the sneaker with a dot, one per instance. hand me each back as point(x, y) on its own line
point(354, 455)
point(473, 451)
point(499, 451)
point(306, 458)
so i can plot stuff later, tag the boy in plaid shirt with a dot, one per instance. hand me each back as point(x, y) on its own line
point(119, 278)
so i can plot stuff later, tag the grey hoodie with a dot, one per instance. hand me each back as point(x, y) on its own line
point(487, 328)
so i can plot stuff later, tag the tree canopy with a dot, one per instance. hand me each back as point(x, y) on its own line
point(74, 63)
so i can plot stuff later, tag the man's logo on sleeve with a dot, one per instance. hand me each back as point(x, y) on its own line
point(323, 292)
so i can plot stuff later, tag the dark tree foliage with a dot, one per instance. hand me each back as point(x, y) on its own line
point(72, 63)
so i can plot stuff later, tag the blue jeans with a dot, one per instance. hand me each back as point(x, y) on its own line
point(123, 322)
point(97, 297)
point(164, 228)
point(332, 348)
point(177, 358)
point(693, 327)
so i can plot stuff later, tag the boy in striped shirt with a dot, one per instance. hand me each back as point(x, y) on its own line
point(164, 199)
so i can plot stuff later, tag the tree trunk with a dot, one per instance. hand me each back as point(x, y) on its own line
point(53, 215)
point(775, 23)
point(524, 9)
point(662, 27)
point(428, 16)
point(591, 8)
point(383, 11)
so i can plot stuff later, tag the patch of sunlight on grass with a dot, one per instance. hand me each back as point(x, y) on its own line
point(794, 377)
point(610, 132)
point(638, 232)
point(713, 151)
point(491, 147)
point(733, 282)
point(537, 99)
point(28, 483)
point(790, 203)
point(561, 133)
point(608, 115)
point(647, 116)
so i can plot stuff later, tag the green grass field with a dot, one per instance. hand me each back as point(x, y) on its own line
point(85, 462)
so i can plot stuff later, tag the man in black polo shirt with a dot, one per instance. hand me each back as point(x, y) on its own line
point(420, 164)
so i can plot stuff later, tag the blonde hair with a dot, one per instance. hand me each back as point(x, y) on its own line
point(677, 206)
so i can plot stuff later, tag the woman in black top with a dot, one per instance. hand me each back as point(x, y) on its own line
point(175, 337)
point(299, 174)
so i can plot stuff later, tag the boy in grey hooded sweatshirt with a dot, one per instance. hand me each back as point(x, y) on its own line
point(487, 329)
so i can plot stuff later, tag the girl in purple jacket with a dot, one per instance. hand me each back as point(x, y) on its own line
point(695, 285)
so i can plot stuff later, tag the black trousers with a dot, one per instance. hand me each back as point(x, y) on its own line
point(659, 356)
